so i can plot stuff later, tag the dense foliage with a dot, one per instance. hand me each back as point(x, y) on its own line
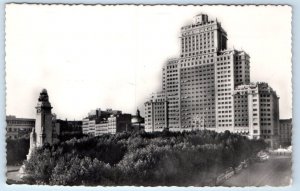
point(166, 158)
point(16, 150)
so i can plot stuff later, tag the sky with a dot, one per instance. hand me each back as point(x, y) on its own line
point(90, 57)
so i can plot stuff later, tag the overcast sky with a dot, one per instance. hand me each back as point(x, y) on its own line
point(91, 57)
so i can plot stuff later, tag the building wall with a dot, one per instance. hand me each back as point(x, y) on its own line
point(261, 103)
point(91, 127)
point(224, 87)
point(65, 127)
point(109, 121)
point(156, 113)
point(241, 112)
point(18, 127)
point(101, 128)
point(200, 43)
point(123, 123)
point(269, 114)
point(85, 126)
point(171, 87)
point(285, 132)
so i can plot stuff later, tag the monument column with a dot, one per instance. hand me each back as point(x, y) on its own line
point(43, 121)
point(42, 133)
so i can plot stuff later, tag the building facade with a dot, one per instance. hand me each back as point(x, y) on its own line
point(109, 121)
point(22, 127)
point(68, 128)
point(198, 87)
point(156, 112)
point(256, 111)
point(18, 127)
point(285, 132)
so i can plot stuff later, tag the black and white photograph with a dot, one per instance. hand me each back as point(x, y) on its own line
point(140, 95)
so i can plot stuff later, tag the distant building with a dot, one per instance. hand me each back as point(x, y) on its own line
point(285, 132)
point(109, 121)
point(119, 123)
point(85, 126)
point(65, 127)
point(22, 127)
point(18, 127)
point(101, 128)
point(156, 113)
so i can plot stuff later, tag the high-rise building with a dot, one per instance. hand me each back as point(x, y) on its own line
point(156, 112)
point(285, 132)
point(198, 86)
point(256, 110)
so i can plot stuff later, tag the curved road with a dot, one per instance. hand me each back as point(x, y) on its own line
point(277, 171)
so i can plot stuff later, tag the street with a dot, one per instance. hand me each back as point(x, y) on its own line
point(277, 171)
point(12, 175)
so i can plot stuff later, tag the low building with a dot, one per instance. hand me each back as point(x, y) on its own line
point(92, 127)
point(85, 126)
point(119, 123)
point(65, 127)
point(285, 132)
point(21, 127)
point(109, 121)
point(18, 127)
point(101, 128)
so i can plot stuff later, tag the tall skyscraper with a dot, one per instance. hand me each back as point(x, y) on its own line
point(198, 86)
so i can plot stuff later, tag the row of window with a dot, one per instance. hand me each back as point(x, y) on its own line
point(226, 111)
point(225, 89)
point(207, 51)
point(224, 76)
point(197, 48)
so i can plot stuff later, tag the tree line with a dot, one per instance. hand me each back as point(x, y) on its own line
point(141, 159)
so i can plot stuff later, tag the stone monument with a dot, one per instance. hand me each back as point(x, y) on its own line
point(43, 132)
